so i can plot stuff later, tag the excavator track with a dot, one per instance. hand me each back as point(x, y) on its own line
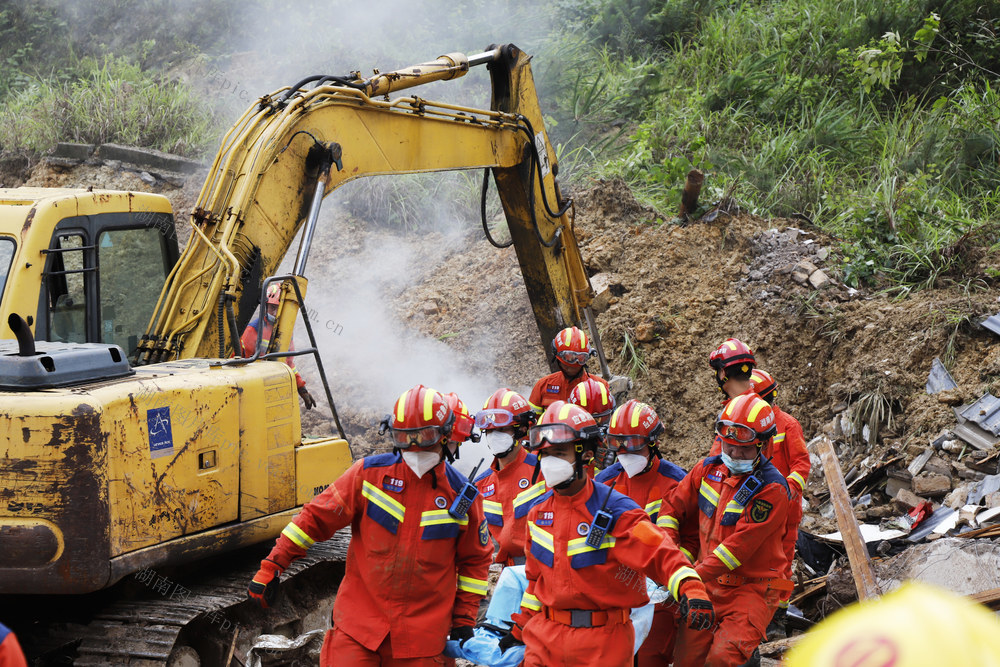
point(197, 619)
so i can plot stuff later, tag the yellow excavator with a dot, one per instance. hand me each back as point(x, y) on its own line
point(123, 452)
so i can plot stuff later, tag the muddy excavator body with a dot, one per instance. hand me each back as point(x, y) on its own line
point(134, 439)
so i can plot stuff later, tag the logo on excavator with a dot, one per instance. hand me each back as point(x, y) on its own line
point(161, 439)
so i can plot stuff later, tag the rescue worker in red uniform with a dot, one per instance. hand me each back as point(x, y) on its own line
point(462, 430)
point(594, 397)
point(571, 349)
point(508, 487)
point(418, 559)
point(575, 610)
point(789, 455)
point(642, 474)
point(248, 341)
point(733, 361)
point(10, 651)
point(740, 502)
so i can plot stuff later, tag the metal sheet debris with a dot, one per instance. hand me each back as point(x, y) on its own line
point(870, 532)
point(992, 323)
point(940, 515)
point(985, 413)
point(939, 378)
point(982, 489)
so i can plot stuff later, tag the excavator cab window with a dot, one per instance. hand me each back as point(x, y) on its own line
point(66, 284)
point(6, 257)
point(133, 267)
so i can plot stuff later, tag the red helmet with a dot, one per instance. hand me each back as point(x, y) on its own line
point(572, 347)
point(746, 419)
point(732, 351)
point(462, 430)
point(505, 408)
point(633, 426)
point(273, 294)
point(593, 396)
point(765, 386)
point(564, 422)
point(420, 417)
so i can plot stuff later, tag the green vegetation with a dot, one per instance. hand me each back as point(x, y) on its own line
point(876, 120)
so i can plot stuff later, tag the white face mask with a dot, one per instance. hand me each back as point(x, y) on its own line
point(633, 464)
point(556, 470)
point(420, 461)
point(499, 442)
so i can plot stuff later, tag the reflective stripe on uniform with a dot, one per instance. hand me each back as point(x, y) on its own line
point(654, 507)
point(529, 494)
point(797, 478)
point(579, 545)
point(298, 536)
point(727, 557)
point(541, 537)
point(780, 437)
point(667, 521)
point(383, 500)
point(709, 494)
point(674, 583)
point(686, 553)
point(470, 585)
point(438, 517)
point(529, 601)
point(492, 507)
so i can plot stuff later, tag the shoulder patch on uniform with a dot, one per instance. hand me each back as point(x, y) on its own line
point(583, 528)
point(484, 533)
point(440, 502)
point(760, 510)
point(544, 519)
point(552, 389)
point(394, 484)
point(523, 483)
point(714, 477)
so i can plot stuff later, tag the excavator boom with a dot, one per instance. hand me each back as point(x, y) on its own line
point(262, 184)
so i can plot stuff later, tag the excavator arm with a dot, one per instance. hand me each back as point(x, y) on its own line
point(295, 146)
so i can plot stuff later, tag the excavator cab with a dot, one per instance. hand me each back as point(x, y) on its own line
point(88, 266)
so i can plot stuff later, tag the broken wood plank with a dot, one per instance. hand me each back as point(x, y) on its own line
point(986, 531)
point(857, 552)
point(806, 593)
point(918, 463)
point(779, 646)
point(990, 598)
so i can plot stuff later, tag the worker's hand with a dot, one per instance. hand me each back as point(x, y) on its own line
point(696, 605)
point(264, 586)
point(509, 641)
point(307, 398)
point(462, 633)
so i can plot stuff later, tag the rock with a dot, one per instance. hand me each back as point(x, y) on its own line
point(822, 254)
point(644, 333)
point(819, 280)
point(756, 275)
point(931, 484)
point(992, 499)
point(602, 287)
point(937, 466)
point(949, 397)
point(893, 486)
point(957, 498)
point(906, 500)
point(430, 308)
point(146, 177)
point(802, 271)
point(879, 512)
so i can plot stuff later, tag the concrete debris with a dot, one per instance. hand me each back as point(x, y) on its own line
point(939, 379)
point(963, 566)
point(819, 280)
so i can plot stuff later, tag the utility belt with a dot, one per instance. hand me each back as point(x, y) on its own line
point(773, 583)
point(515, 560)
point(583, 618)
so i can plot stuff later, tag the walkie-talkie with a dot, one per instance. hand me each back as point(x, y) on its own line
point(749, 487)
point(460, 507)
point(601, 523)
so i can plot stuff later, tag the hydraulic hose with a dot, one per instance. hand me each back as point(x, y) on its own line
point(482, 212)
point(221, 318)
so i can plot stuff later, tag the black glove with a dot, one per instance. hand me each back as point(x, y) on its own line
point(307, 398)
point(507, 641)
point(462, 633)
point(699, 613)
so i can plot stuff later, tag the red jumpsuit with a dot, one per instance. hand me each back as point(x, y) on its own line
point(10, 651)
point(249, 343)
point(741, 558)
point(413, 571)
point(576, 608)
point(791, 458)
point(648, 490)
point(556, 387)
point(507, 497)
